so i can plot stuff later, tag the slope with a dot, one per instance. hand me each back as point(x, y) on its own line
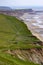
point(14, 35)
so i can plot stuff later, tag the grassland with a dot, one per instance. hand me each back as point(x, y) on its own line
point(14, 35)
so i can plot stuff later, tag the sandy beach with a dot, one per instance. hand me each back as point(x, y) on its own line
point(35, 25)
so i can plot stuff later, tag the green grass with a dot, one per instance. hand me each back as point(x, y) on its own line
point(14, 32)
point(14, 35)
point(7, 59)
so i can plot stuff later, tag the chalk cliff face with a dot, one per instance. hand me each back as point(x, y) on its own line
point(34, 55)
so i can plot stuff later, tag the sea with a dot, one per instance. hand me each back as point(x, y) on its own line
point(36, 8)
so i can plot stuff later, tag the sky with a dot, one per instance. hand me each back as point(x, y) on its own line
point(21, 3)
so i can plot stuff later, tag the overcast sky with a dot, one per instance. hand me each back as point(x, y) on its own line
point(21, 2)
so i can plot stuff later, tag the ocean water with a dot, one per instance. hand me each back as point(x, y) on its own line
point(36, 8)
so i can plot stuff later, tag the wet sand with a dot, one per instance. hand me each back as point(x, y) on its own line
point(35, 25)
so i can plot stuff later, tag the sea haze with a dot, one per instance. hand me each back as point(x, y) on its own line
point(28, 7)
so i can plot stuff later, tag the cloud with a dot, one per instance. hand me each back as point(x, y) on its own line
point(21, 2)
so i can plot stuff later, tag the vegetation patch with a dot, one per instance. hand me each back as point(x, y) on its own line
point(14, 34)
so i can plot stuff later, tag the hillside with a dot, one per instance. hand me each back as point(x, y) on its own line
point(5, 8)
point(17, 43)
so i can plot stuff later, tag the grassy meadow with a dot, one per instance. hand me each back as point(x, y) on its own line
point(14, 34)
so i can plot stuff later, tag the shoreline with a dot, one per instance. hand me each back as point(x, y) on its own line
point(28, 24)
